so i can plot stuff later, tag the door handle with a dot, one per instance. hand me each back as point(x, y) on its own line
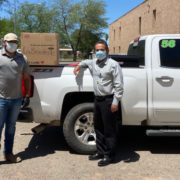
point(165, 79)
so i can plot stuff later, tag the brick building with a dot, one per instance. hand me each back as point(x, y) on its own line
point(150, 17)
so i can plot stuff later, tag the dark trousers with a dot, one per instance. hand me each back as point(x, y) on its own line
point(105, 126)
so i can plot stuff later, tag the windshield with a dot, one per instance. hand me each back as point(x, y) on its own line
point(138, 50)
point(170, 52)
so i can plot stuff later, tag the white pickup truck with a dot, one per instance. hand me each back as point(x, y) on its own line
point(151, 93)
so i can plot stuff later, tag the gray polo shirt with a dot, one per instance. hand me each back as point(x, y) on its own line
point(11, 70)
point(107, 77)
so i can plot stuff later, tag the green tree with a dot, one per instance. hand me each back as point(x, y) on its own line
point(87, 41)
point(6, 26)
point(106, 36)
point(74, 19)
point(3, 1)
point(34, 18)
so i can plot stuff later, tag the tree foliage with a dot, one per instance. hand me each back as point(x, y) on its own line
point(6, 26)
point(3, 1)
point(75, 20)
point(87, 41)
point(34, 18)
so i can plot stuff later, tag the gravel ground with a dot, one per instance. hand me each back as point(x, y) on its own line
point(46, 156)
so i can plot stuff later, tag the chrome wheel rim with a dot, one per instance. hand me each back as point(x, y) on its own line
point(84, 129)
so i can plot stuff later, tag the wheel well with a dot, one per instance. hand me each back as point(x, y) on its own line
point(73, 99)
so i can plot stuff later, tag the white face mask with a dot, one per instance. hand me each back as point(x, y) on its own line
point(11, 47)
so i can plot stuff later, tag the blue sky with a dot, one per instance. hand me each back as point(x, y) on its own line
point(117, 8)
point(114, 10)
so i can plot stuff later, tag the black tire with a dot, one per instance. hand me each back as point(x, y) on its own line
point(79, 115)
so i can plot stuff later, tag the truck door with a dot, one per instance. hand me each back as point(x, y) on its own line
point(166, 80)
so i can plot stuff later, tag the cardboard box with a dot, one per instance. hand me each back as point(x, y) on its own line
point(40, 48)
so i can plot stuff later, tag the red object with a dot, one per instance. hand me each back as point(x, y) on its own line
point(23, 88)
point(74, 64)
point(31, 88)
point(26, 35)
point(137, 39)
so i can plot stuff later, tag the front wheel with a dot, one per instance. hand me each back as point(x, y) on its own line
point(78, 129)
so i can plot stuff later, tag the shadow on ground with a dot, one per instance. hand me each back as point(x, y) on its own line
point(133, 139)
point(130, 140)
point(44, 143)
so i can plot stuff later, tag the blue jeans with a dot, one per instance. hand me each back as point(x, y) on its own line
point(9, 111)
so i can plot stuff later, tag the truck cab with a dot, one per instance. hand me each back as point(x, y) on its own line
point(161, 55)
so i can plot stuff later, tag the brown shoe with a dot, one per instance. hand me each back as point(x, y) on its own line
point(12, 158)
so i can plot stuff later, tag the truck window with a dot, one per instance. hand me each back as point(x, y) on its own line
point(138, 50)
point(170, 52)
point(126, 60)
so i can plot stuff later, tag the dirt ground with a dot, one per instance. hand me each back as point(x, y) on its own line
point(46, 156)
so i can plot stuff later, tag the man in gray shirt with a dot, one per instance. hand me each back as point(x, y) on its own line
point(12, 66)
point(108, 90)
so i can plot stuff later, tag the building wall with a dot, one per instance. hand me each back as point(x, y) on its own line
point(150, 17)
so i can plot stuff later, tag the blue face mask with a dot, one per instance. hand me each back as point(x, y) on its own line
point(101, 55)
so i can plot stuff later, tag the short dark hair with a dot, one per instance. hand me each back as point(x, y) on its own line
point(101, 41)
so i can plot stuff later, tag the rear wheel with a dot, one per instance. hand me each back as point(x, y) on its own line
point(78, 129)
